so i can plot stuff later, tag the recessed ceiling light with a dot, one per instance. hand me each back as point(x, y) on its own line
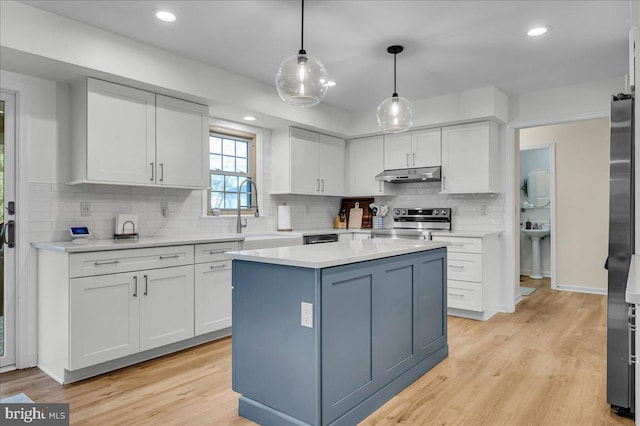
point(538, 31)
point(250, 118)
point(165, 16)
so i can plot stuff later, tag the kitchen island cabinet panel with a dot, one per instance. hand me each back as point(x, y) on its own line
point(275, 359)
point(393, 326)
point(431, 330)
point(347, 351)
point(378, 325)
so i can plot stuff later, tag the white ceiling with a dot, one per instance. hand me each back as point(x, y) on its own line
point(450, 46)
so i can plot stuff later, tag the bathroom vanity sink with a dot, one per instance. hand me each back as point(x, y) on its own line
point(536, 235)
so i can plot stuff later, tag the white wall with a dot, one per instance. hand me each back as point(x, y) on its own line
point(472, 105)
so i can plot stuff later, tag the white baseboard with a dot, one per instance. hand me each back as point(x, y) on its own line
point(518, 299)
point(580, 289)
point(546, 274)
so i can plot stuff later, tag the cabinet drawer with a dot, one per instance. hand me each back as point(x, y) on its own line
point(464, 267)
point(461, 244)
point(214, 252)
point(115, 261)
point(464, 295)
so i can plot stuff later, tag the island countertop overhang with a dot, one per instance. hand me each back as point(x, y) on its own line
point(319, 256)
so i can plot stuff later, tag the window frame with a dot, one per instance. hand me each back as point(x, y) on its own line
point(236, 135)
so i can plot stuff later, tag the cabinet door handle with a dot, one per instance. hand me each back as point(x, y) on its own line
point(111, 262)
point(456, 294)
point(217, 251)
point(318, 188)
point(380, 187)
point(173, 256)
point(631, 326)
point(407, 158)
point(161, 172)
point(322, 180)
point(414, 158)
point(151, 163)
point(444, 183)
point(146, 285)
point(456, 266)
point(135, 286)
point(457, 244)
point(217, 266)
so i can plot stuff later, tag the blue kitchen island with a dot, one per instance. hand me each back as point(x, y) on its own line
point(325, 334)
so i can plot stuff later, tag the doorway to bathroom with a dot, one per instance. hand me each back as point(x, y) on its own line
point(537, 215)
point(579, 208)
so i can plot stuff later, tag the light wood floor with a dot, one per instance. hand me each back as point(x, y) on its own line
point(543, 365)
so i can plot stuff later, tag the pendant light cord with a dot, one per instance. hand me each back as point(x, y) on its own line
point(395, 92)
point(302, 52)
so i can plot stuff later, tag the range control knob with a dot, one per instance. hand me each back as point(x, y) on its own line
point(436, 212)
point(404, 212)
point(444, 212)
point(396, 212)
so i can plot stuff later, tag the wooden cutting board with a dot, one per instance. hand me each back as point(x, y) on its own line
point(348, 203)
point(355, 217)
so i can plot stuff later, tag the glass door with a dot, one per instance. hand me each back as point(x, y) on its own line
point(7, 230)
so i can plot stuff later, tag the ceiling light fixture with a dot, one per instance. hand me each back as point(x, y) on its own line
point(250, 118)
point(165, 16)
point(395, 114)
point(538, 31)
point(302, 80)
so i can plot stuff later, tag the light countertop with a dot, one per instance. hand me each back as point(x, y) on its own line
point(470, 234)
point(322, 231)
point(99, 245)
point(334, 254)
point(632, 295)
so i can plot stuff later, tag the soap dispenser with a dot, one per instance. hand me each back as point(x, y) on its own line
point(527, 225)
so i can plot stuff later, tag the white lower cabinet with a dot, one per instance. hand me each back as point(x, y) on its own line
point(102, 310)
point(166, 306)
point(212, 296)
point(472, 276)
point(103, 319)
point(116, 315)
point(213, 287)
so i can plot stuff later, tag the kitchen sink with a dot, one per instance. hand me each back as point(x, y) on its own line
point(270, 240)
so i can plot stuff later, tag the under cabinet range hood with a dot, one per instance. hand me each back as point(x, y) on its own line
point(422, 174)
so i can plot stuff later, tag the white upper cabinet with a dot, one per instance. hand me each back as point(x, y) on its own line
point(305, 171)
point(332, 165)
point(397, 150)
point(414, 149)
point(470, 158)
point(120, 133)
point(365, 161)
point(305, 162)
point(181, 139)
point(127, 136)
point(426, 146)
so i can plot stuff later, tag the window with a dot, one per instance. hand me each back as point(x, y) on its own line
point(232, 159)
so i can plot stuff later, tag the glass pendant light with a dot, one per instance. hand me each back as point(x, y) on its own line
point(302, 80)
point(395, 114)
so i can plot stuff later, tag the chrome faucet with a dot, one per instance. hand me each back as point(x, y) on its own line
point(239, 224)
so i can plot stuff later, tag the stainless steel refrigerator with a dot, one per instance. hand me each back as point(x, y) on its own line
point(621, 315)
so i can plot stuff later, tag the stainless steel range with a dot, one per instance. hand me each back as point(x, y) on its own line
point(416, 223)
